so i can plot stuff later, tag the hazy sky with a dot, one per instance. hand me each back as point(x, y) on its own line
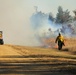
point(15, 14)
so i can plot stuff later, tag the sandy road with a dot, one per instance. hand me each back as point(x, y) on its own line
point(7, 50)
point(19, 61)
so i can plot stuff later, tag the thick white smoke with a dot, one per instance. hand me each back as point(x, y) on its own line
point(45, 28)
point(15, 16)
point(15, 23)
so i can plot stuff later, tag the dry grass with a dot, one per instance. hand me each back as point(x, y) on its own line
point(67, 52)
point(70, 44)
point(22, 60)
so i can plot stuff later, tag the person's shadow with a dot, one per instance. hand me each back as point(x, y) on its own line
point(66, 49)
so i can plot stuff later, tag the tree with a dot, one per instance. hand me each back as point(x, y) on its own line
point(62, 16)
point(75, 14)
point(66, 16)
point(51, 16)
point(59, 15)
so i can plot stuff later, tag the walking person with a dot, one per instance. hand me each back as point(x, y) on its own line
point(60, 41)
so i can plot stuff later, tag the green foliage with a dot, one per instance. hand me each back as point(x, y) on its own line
point(62, 16)
point(75, 14)
point(51, 16)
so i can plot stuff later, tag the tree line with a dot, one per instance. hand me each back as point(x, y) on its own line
point(62, 16)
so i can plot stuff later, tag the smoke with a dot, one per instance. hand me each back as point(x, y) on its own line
point(46, 29)
point(21, 27)
point(43, 27)
point(15, 23)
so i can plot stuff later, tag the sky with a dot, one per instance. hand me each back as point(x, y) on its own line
point(15, 18)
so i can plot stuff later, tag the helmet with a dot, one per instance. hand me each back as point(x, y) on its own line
point(59, 34)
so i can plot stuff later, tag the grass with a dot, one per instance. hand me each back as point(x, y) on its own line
point(23, 60)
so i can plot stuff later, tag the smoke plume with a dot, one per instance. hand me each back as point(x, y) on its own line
point(21, 27)
point(15, 24)
point(47, 29)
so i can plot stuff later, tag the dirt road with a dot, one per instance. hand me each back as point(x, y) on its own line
point(18, 60)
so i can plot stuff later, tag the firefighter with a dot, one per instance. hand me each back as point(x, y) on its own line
point(60, 41)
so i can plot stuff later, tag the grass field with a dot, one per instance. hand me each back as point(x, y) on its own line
point(23, 60)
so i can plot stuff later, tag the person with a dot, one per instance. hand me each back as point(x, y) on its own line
point(1, 38)
point(60, 41)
